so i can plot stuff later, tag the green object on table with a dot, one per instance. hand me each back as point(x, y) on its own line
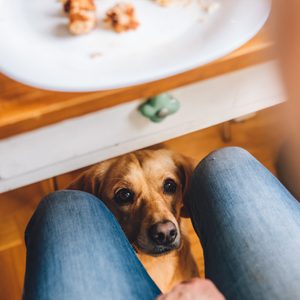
point(157, 108)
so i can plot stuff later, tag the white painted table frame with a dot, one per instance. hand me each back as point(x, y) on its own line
point(75, 143)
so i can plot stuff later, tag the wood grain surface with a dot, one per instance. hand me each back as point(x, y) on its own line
point(23, 108)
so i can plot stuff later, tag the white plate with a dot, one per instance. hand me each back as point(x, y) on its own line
point(37, 49)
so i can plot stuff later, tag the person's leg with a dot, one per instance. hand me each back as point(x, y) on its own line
point(249, 227)
point(284, 170)
point(77, 250)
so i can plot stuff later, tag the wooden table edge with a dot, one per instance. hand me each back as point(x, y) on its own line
point(22, 115)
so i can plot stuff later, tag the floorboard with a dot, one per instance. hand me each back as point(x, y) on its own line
point(261, 135)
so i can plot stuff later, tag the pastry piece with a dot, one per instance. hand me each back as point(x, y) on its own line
point(164, 2)
point(121, 17)
point(82, 15)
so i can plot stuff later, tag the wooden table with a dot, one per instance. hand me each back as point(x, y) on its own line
point(45, 134)
point(23, 108)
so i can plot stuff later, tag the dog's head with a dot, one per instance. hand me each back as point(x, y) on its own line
point(145, 191)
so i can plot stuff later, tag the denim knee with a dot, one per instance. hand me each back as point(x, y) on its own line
point(228, 157)
point(66, 199)
point(219, 168)
point(66, 204)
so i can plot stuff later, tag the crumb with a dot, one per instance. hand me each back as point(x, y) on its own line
point(212, 7)
point(82, 15)
point(95, 55)
point(121, 17)
point(163, 2)
point(170, 2)
point(209, 7)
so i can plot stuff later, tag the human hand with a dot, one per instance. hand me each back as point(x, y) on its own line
point(195, 289)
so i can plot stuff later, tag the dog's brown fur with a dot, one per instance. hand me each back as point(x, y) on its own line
point(144, 172)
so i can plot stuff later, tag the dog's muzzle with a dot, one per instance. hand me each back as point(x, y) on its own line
point(164, 236)
point(163, 233)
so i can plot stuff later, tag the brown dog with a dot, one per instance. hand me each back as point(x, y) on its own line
point(145, 191)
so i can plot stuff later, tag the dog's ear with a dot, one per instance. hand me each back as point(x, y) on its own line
point(185, 167)
point(90, 180)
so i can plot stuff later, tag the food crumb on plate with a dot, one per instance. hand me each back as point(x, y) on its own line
point(96, 55)
point(164, 2)
point(209, 6)
point(121, 17)
point(82, 15)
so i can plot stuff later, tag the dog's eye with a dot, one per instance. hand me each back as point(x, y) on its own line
point(170, 186)
point(124, 196)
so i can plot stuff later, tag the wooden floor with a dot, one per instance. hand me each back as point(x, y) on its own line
point(261, 135)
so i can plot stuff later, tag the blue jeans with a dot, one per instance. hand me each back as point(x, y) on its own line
point(247, 222)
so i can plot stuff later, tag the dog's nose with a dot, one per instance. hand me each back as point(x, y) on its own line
point(163, 233)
